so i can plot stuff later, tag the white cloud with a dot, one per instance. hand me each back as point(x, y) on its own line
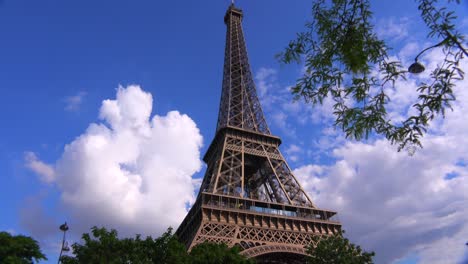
point(279, 103)
point(280, 107)
point(322, 113)
point(389, 202)
point(280, 120)
point(392, 203)
point(396, 204)
point(45, 171)
point(265, 78)
point(293, 149)
point(409, 51)
point(73, 103)
point(294, 152)
point(393, 28)
point(130, 172)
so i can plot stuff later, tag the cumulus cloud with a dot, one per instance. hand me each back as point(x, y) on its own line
point(393, 28)
point(392, 203)
point(277, 102)
point(130, 171)
point(45, 171)
point(389, 202)
point(271, 97)
point(283, 110)
point(294, 152)
point(396, 204)
point(73, 103)
point(265, 81)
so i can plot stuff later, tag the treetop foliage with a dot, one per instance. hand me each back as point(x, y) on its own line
point(337, 249)
point(346, 61)
point(103, 246)
point(211, 253)
point(19, 249)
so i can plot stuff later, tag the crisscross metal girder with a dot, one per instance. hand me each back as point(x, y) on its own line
point(249, 196)
point(246, 164)
point(239, 106)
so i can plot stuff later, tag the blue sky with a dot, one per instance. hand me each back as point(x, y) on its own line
point(59, 60)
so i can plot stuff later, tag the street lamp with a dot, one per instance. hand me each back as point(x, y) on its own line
point(417, 67)
point(65, 248)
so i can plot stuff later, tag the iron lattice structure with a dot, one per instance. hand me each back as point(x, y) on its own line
point(249, 197)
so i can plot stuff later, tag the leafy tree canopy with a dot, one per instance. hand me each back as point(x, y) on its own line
point(103, 246)
point(210, 253)
point(336, 249)
point(346, 61)
point(19, 249)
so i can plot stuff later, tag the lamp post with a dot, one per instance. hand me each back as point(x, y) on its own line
point(417, 67)
point(64, 248)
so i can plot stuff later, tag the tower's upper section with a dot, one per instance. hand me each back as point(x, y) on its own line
point(232, 11)
point(239, 105)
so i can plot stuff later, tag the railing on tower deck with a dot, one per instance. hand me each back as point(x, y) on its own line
point(245, 204)
point(272, 211)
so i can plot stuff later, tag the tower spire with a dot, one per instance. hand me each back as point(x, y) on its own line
point(239, 105)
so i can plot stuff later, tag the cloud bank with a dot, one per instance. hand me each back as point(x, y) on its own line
point(392, 203)
point(396, 205)
point(130, 171)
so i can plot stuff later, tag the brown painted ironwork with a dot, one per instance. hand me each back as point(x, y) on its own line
point(249, 196)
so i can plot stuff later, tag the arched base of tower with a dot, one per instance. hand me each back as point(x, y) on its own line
point(280, 258)
point(277, 253)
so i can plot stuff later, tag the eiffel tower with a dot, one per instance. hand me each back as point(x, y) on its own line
point(248, 196)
